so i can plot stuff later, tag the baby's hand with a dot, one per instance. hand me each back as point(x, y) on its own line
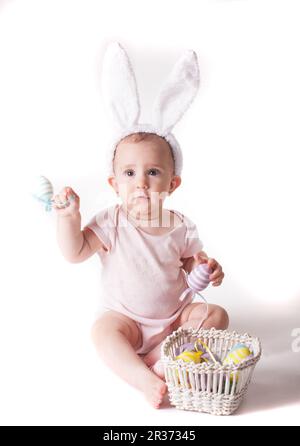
point(217, 275)
point(66, 203)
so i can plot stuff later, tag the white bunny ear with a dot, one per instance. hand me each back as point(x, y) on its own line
point(177, 93)
point(119, 87)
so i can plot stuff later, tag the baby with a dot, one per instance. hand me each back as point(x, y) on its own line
point(144, 249)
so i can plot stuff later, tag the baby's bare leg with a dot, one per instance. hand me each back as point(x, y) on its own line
point(193, 314)
point(152, 360)
point(190, 317)
point(115, 337)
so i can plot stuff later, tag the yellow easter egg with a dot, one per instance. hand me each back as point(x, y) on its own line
point(190, 356)
point(237, 354)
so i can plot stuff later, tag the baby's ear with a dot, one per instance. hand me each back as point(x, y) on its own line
point(119, 88)
point(177, 93)
point(113, 183)
point(175, 182)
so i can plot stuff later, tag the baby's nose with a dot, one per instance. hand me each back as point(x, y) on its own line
point(142, 181)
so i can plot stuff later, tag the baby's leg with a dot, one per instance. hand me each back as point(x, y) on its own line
point(115, 337)
point(152, 360)
point(191, 316)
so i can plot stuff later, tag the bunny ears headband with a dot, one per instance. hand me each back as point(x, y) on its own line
point(122, 100)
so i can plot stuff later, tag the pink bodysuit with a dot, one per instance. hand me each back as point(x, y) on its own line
point(142, 276)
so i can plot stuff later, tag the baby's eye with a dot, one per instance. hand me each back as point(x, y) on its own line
point(129, 173)
point(153, 172)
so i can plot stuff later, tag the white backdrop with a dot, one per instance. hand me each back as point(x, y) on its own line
point(240, 141)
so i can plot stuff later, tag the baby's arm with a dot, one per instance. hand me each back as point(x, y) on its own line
point(76, 245)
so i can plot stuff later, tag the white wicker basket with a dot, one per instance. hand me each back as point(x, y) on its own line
point(213, 388)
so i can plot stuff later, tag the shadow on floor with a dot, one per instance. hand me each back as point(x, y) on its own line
point(276, 378)
point(272, 388)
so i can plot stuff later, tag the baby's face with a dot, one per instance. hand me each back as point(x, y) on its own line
point(144, 176)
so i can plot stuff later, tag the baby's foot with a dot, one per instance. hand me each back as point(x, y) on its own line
point(154, 389)
point(158, 369)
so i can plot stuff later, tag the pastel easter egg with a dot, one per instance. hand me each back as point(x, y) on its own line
point(190, 357)
point(207, 355)
point(198, 279)
point(237, 354)
point(187, 346)
point(43, 189)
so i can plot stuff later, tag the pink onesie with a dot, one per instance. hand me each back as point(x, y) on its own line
point(142, 276)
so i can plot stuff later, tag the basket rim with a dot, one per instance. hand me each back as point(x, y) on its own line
point(212, 332)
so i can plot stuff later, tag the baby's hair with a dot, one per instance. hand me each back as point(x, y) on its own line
point(144, 136)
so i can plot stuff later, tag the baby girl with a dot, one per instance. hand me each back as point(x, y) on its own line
point(145, 251)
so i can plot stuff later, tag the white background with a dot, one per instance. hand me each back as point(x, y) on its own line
point(241, 145)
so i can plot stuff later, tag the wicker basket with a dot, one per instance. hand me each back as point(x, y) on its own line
point(213, 388)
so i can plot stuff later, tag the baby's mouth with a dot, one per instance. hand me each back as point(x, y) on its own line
point(141, 195)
